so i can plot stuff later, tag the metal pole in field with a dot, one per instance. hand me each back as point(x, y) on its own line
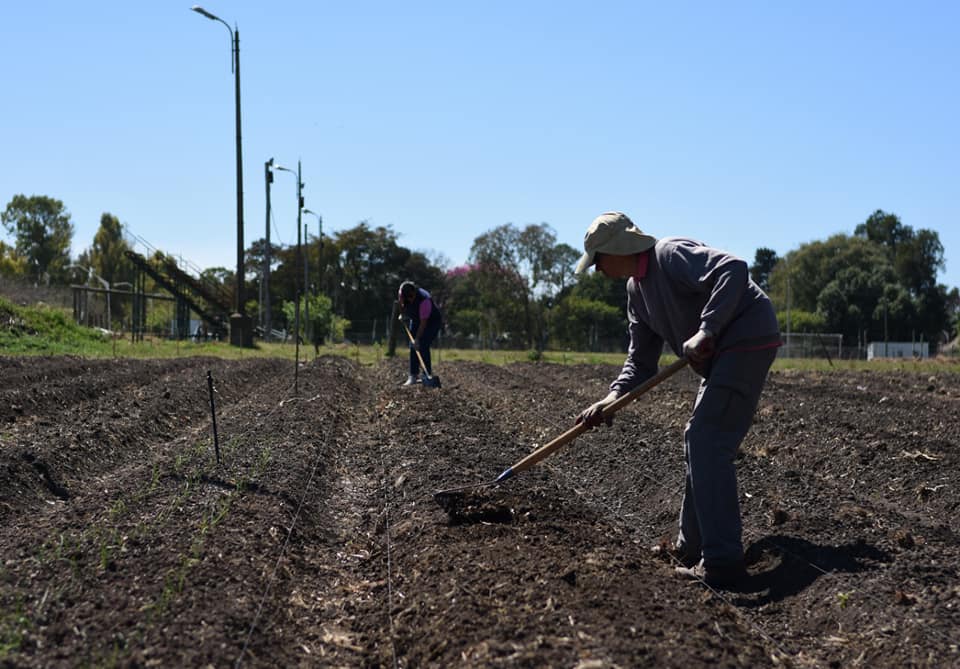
point(241, 331)
point(267, 323)
point(315, 335)
point(213, 415)
point(296, 367)
point(296, 274)
point(306, 284)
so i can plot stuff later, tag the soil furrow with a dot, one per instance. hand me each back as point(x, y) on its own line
point(317, 542)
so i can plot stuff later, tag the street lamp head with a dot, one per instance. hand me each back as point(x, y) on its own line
point(319, 221)
point(200, 10)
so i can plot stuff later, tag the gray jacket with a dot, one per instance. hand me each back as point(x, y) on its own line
point(689, 286)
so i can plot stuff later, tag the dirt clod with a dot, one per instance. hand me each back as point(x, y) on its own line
point(316, 540)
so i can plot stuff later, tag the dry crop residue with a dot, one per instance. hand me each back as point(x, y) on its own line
point(316, 541)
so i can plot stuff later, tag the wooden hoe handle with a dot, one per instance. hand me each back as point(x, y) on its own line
point(580, 428)
point(423, 365)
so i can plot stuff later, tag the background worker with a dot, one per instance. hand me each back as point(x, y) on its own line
point(703, 304)
point(424, 320)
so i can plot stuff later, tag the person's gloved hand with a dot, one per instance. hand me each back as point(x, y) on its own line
point(593, 415)
point(699, 349)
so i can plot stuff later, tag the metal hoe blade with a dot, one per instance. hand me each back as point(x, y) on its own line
point(429, 381)
point(451, 498)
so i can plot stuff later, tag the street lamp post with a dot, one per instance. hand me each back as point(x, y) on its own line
point(306, 285)
point(306, 279)
point(296, 290)
point(319, 229)
point(265, 280)
point(241, 330)
point(319, 240)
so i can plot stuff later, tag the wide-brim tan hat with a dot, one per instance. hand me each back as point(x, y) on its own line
point(612, 232)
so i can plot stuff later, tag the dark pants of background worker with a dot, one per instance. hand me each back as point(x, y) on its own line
point(429, 334)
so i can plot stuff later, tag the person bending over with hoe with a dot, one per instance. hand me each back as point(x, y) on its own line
point(703, 304)
point(423, 319)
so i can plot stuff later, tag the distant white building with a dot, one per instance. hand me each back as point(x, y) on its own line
point(898, 349)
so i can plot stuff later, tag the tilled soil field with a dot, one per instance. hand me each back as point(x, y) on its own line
point(316, 540)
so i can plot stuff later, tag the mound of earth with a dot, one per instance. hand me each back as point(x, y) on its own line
point(307, 534)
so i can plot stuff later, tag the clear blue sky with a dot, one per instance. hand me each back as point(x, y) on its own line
point(744, 124)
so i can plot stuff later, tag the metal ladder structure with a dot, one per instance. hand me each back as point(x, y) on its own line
point(189, 295)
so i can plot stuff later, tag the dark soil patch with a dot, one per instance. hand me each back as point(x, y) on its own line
point(317, 540)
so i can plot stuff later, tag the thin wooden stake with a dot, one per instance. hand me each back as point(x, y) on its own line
point(213, 414)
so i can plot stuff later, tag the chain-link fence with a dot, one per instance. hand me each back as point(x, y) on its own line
point(812, 345)
point(379, 331)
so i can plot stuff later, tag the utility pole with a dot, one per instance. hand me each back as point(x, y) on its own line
point(241, 330)
point(306, 283)
point(296, 319)
point(267, 321)
point(788, 352)
point(314, 335)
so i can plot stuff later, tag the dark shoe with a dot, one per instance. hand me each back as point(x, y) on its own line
point(724, 575)
point(674, 555)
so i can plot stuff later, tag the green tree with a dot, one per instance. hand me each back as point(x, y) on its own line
point(498, 259)
point(848, 302)
point(881, 282)
point(884, 229)
point(324, 324)
point(814, 265)
point(953, 313)
point(595, 306)
point(918, 260)
point(108, 253)
point(564, 259)
point(12, 266)
point(893, 314)
point(916, 256)
point(498, 247)
point(596, 286)
point(801, 321)
point(43, 233)
point(934, 319)
point(369, 268)
point(108, 258)
point(841, 279)
point(219, 276)
point(486, 301)
point(763, 263)
point(533, 255)
point(424, 272)
point(575, 317)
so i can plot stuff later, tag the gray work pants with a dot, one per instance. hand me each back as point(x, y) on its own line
point(722, 414)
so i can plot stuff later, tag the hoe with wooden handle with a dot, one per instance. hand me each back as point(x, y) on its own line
point(449, 498)
point(429, 381)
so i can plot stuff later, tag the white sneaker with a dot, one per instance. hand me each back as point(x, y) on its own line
point(412, 380)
